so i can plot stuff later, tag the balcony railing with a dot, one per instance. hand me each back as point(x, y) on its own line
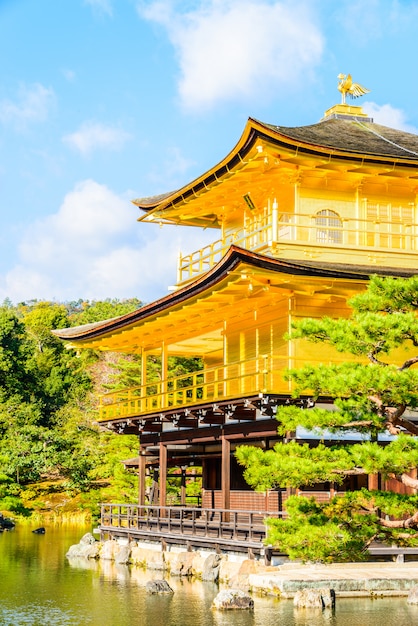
point(376, 234)
point(209, 385)
point(223, 526)
point(235, 380)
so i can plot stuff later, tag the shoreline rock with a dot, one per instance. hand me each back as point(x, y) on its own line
point(235, 571)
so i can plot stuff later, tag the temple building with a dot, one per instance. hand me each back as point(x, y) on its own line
point(301, 218)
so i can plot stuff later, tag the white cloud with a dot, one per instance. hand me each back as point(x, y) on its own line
point(101, 6)
point(232, 49)
point(33, 104)
point(387, 115)
point(94, 248)
point(172, 168)
point(69, 75)
point(93, 136)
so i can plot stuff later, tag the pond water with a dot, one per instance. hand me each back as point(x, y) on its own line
point(40, 587)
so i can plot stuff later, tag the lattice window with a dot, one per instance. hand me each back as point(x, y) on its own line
point(388, 225)
point(328, 227)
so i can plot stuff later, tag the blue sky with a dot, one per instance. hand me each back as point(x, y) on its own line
point(102, 101)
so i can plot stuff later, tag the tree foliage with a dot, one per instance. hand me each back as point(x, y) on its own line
point(48, 411)
point(374, 391)
point(48, 403)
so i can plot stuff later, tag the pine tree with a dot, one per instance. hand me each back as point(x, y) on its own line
point(374, 391)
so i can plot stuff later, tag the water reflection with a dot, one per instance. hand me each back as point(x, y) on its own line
point(41, 586)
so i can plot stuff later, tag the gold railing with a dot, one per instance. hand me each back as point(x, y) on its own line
point(264, 374)
point(375, 234)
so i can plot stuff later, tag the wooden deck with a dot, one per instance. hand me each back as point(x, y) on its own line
point(212, 528)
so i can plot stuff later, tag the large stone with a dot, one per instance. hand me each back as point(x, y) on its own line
point(183, 565)
point(156, 561)
point(232, 599)
point(87, 548)
point(413, 595)
point(227, 570)
point(123, 555)
point(109, 548)
point(158, 586)
point(314, 598)
point(210, 572)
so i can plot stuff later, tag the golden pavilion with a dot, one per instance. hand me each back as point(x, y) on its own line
point(301, 218)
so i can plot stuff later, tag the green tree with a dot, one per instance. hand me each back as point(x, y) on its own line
point(375, 392)
point(90, 311)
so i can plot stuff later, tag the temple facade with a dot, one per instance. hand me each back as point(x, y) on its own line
point(301, 218)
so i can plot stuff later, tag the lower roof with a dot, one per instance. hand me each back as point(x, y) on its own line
point(239, 276)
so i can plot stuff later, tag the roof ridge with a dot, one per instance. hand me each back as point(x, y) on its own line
point(386, 139)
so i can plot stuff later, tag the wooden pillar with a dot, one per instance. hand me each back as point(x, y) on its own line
point(183, 487)
point(226, 475)
point(163, 476)
point(141, 475)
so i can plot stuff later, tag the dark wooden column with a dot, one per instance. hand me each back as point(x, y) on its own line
point(163, 476)
point(141, 475)
point(183, 486)
point(226, 475)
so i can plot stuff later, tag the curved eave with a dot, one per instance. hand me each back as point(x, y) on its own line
point(235, 260)
point(287, 139)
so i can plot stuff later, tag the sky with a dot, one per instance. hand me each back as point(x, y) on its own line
point(104, 101)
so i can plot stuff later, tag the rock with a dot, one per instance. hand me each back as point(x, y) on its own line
point(413, 595)
point(108, 550)
point(183, 565)
point(158, 586)
point(232, 599)
point(314, 598)
point(6, 523)
point(210, 572)
point(123, 555)
point(88, 538)
point(39, 531)
point(85, 551)
point(156, 562)
point(87, 548)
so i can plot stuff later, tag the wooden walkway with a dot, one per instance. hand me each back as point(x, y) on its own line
point(211, 528)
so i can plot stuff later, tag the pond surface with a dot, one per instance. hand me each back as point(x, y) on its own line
point(40, 587)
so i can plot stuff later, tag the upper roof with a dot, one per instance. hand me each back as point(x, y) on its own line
point(363, 138)
point(339, 138)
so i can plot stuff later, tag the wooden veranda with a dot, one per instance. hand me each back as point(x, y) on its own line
point(215, 529)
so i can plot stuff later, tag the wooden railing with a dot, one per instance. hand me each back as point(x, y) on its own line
point(377, 233)
point(175, 523)
point(264, 374)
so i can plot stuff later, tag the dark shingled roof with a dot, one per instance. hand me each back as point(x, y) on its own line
point(210, 279)
point(356, 137)
point(353, 137)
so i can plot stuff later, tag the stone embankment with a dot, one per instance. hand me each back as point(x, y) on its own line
point(285, 579)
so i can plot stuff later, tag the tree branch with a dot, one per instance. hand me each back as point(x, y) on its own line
point(355, 471)
point(372, 354)
point(408, 363)
point(406, 480)
point(357, 423)
point(411, 522)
